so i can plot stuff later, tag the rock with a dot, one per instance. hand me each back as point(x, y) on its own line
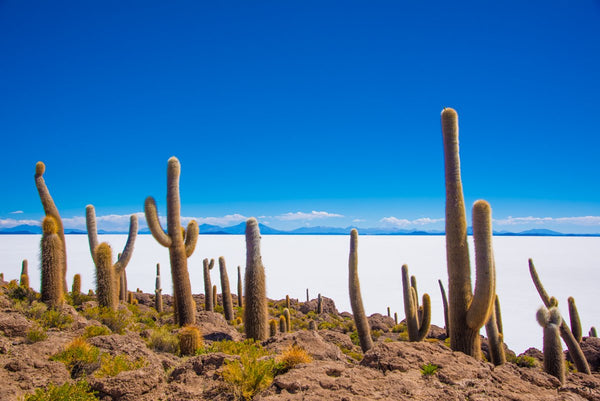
point(379, 322)
point(328, 306)
point(311, 341)
point(14, 324)
point(591, 349)
point(214, 327)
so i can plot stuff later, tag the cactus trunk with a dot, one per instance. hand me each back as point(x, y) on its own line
point(208, 295)
point(360, 319)
point(255, 311)
point(239, 288)
point(52, 293)
point(225, 291)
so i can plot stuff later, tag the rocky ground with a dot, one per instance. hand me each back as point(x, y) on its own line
point(31, 337)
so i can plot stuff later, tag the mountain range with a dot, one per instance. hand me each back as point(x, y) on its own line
point(317, 230)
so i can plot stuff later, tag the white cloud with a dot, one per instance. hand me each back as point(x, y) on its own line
point(226, 220)
point(9, 223)
point(578, 220)
point(358, 220)
point(306, 216)
point(17, 212)
point(394, 221)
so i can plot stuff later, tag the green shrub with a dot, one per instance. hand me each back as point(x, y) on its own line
point(113, 365)
point(525, 361)
point(290, 357)
point(248, 376)
point(78, 351)
point(36, 334)
point(161, 339)
point(117, 321)
point(399, 328)
point(247, 347)
point(79, 391)
point(354, 338)
point(94, 331)
point(357, 356)
point(55, 319)
point(429, 369)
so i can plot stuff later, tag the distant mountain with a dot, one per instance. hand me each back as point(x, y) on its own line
point(22, 229)
point(537, 232)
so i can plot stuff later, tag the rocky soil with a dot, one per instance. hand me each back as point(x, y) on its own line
point(338, 371)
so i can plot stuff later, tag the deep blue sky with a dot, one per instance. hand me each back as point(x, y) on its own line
point(283, 107)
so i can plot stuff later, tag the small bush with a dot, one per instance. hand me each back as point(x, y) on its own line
point(429, 369)
point(94, 331)
point(354, 338)
point(117, 321)
point(53, 318)
point(161, 339)
point(399, 328)
point(291, 356)
point(357, 356)
point(525, 361)
point(247, 347)
point(77, 351)
point(113, 365)
point(79, 391)
point(248, 376)
point(36, 334)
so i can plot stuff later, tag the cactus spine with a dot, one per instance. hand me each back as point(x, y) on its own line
point(554, 359)
point(158, 301)
point(180, 248)
point(255, 311)
point(239, 288)
point(417, 330)
point(493, 328)
point(360, 319)
point(50, 209)
point(119, 267)
point(575, 322)
point(574, 349)
point(209, 302)
point(190, 340)
point(468, 311)
point(52, 292)
point(225, 291)
point(445, 303)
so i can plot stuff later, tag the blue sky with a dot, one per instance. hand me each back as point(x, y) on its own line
point(302, 113)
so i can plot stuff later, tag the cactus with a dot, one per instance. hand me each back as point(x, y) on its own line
point(180, 247)
point(593, 332)
point(225, 291)
point(1, 276)
point(445, 303)
point(214, 295)
point(498, 315)
point(131, 298)
point(416, 330)
point(494, 333)
point(574, 349)
point(319, 304)
point(468, 311)
point(255, 311)
point(106, 288)
point(190, 340)
point(209, 303)
point(575, 322)
point(288, 319)
point(158, 301)
point(24, 272)
point(282, 324)
point(413, 284)
point(52, 293)
point(307, 298)
point(395, 318)
point(76, 288)
point(554, 359)
point(272, 328)
point(360, 319)
point(389, 313)
point(50, 209)
point(119, 267)
point(312, 325)
point(122, 284)
point(239, 288)
point(287, 301)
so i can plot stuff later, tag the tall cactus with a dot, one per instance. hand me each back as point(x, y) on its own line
point(574, 349)
point(554, 359)
point(119, 267)
point(239, 288)
point(52, 290)
point(106, 288)
point(468, 311)
point(209, 303)
point(575, 321)
point(360, 319)
point(445, 304)
point(158, 301)
point(225, 291)
point(255, 312)
point(50, 209)
point(180, 248)
point(417, 330)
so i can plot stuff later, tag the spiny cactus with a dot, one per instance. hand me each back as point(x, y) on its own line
point(122, 284)
point(106, 289)
point(288, 319)
point(24, 283)
point(416, 330)
point(239, 288)
point(287, 301)
point(593, 332)
point(282, 324)
point(574, 349)
point(209, 303)
point(24, 272)
point(214, 295)
point(319, 304)
point(498, 316)
point(255, 311)
point(76, 288)
point(468, 311)
point(119, 267)
point(131, 299)
point(225, 291)
point(50, 209)
point(190, 340)
point(158, 301)
point(272, 328)
point(307, 298)
point(395, 318)
point(52, 293)
point(360, 319)
point(445, 304)
point(389, 313)
point(494, 334)
point(575, 322)
point(554, 359)
point(180, 246)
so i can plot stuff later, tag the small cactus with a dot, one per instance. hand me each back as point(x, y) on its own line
point(255, 311)
point(445, 303)
point(190, 340)
point(181, 246)
point(312, 325)
point(417, 330)
point(575, 322)
point(288, 319)
point(287, 302)
point(360, 319)
point(239, 288)
point(272, 328)
point(593, 332)
point(226, 292)
point(554, 359)
point(106, 289)
point(209, 302)
point(389, 312)
point(24, 283)
point(131, 298)
point(395, 318)
point(307, 298)
point(282, 324)
point(214, 295)
point(319, 304)
point(24, 272)
point(1, 276)
point(158, 301)
point(122, 284)
point(76, 288)
point(52, 293)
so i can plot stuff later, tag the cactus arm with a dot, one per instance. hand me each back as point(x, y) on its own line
point(211, 264)
point(174, 228)
point(90, 223)
point(426, 318)
point(575, 321)
point(360, 319)
point(191, 237)
point(485, 288)
point(538, 284)
point(445, 303)
point(154, 224)
point(496, 347)
point(410, 310)
point(498, 315)
point(125, 257)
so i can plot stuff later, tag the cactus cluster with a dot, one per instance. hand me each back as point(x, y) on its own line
point(418, 326)
point(554, 359)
